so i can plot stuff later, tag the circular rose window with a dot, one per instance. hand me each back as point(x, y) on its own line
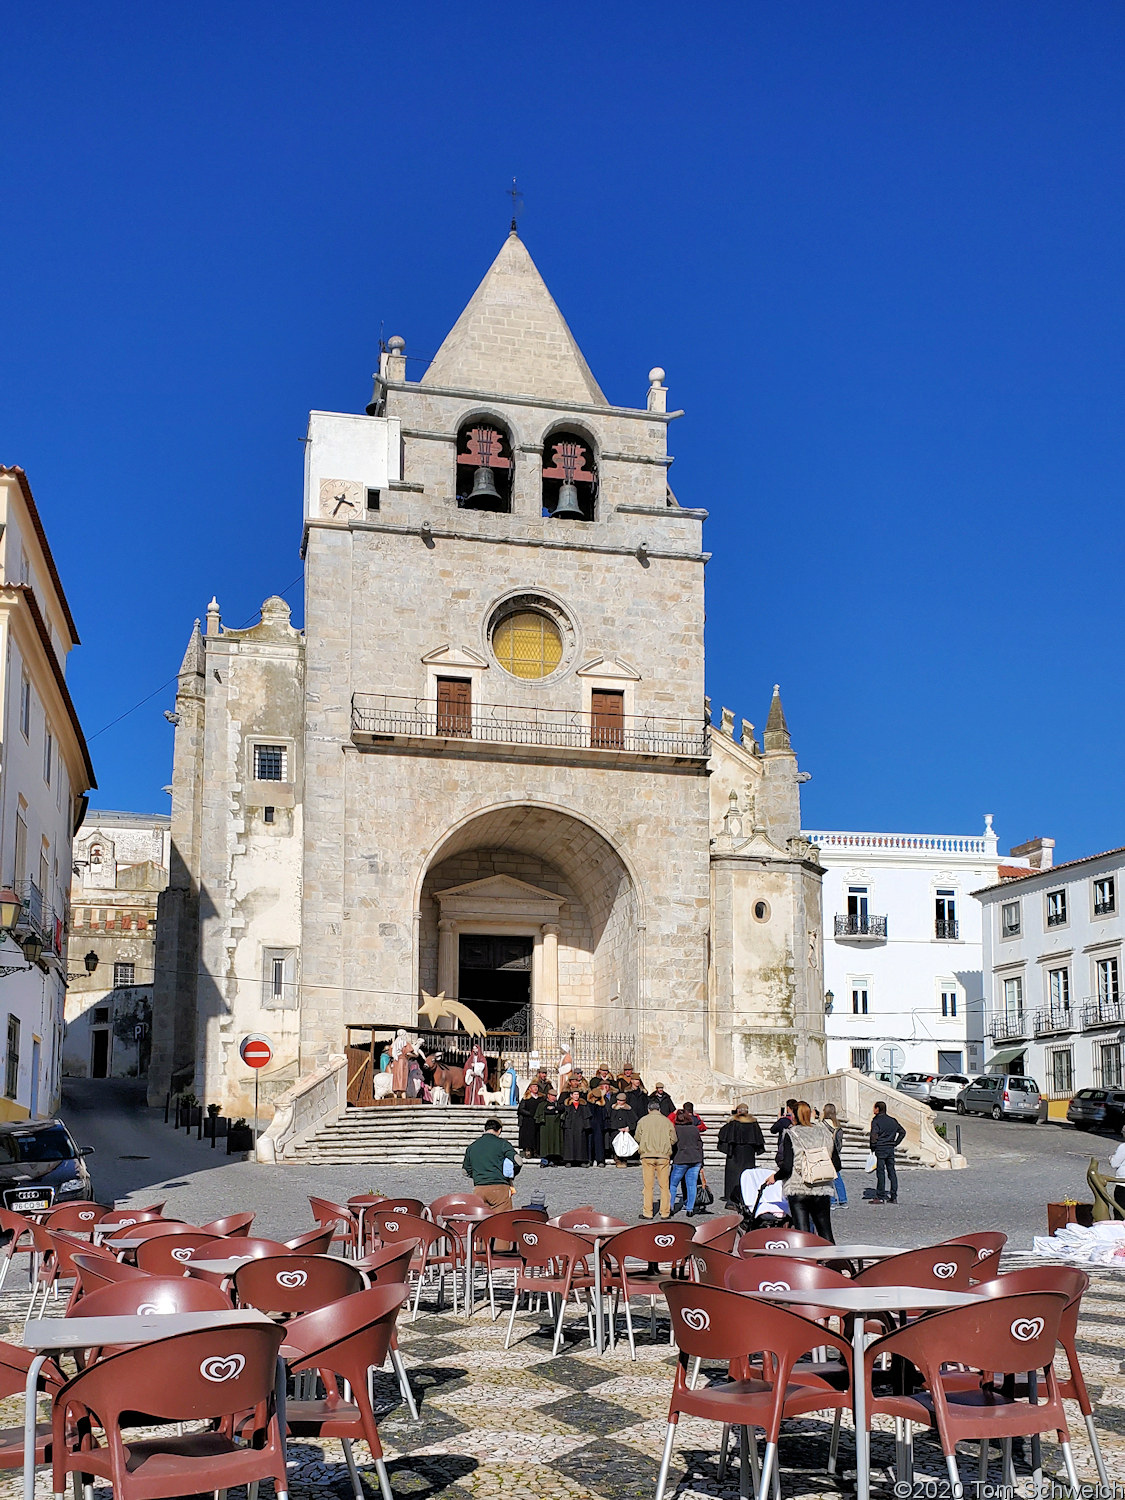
point(527, 644)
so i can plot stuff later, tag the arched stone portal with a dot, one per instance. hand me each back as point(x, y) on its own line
point(557, 903)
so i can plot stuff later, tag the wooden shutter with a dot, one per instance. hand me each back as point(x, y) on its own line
point(454, 706)
point(607, 716)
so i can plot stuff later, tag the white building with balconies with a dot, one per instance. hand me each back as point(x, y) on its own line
point(902, 947)
point(1052, 959)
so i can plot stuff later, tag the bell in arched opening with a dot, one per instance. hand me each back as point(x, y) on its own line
point(484, 468)
point(569, 478)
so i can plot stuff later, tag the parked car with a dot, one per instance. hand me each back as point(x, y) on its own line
point(41, 1166)
point(1097, 1109)
point(1004, 1096)
point(916, 1085)
point(945, 1088)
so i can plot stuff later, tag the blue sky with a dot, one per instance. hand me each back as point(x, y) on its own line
point(877, 248)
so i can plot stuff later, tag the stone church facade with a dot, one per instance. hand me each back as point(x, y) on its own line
point(486, 766)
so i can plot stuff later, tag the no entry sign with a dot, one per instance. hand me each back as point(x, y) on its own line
point(255, 1050)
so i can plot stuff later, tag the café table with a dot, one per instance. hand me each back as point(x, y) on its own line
point(864, 1302)
point(48, 1336)
point(463, 1223)
point(597, 1238)
point(854, 1252)
point(226, 1266)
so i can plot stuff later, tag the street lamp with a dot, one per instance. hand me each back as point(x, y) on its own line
point(90, 962)
point(10, 908)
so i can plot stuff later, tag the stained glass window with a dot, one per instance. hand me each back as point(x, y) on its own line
point(527, 644)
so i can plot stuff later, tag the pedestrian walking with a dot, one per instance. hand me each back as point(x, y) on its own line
point(491, 1162)
point(687, 1159)
point(525, 1114)
point(740, 1142)
point(548, 1119)
point(655, 1140)
point(831, 1119)
point(810, 1164)
point(886, 1133)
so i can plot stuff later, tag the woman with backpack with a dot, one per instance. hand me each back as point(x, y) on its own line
point(809, 1164)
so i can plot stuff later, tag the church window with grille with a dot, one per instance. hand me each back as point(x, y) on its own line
point(527, 644)
point(269, 762)
point(570, 478)
point(484, 467)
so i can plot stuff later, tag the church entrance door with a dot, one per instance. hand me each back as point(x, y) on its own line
point(494, 975)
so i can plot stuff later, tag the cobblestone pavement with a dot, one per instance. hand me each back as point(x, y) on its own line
point(524, 1425)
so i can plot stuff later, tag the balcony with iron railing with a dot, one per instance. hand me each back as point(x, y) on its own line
point(1008, 1028)
point(861, 926)
point(383, 717)
point(1103, 1010)
point(37, 918)
point(1053, 1019)
point(945, 928)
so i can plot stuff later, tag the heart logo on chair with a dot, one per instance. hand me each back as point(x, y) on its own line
point(1026, 1329)
point(776, 1245)
point(697, 1318)
point(774, 1286)
point(123, 1223)
point(580, 1226)
point(223, 1367)
point(291, 1278)
point(399, 1210)
point(180, 1254)
point(663, 1240)
point(945, 1269)
point(390, 1228)
point(86, 1215)
point(148, 1307)
point(983, 1254)
point(531, 1239)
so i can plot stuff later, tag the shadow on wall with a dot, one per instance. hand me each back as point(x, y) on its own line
point(112, 1038)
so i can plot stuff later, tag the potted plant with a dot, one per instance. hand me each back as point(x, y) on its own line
point(240, 1137)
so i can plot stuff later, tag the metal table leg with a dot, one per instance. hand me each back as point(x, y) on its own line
point(30, 1422)
point(599, 1330)
point(469, 1269)
point(859, 1411)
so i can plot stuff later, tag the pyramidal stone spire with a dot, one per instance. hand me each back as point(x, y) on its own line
point(193, 656)
point(776, 736)
point(512, 340)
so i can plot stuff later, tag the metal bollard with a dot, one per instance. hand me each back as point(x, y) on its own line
point(957, 1128)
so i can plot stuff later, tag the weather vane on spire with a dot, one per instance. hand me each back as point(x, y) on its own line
point(517, 204)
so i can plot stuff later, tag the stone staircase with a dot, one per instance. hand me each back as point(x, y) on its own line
point(418, 1135)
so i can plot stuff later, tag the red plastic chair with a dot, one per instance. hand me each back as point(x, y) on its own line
point(345, 1225)
point(14, 1366)
point(17, 1239)
point(988, 1243)
point(441, 1206)
point(631, 1264)
point(1072, 1283)
point(230, 1224)
point(1009, 1335)
point(154, 1229)
point(231, 1249)
point(499, 1229)
point(586, 1218)
point(152, 1295)
point(778, 1239)
point(553, 1261)
point(167, 1255)
point(713, 1267)
point(95, 1271)
point(710, 1323)
point(439, 1249)
point(361, 1204)
point(722, 1232)
point(390, 1266)
point(129, 1218)
point(214, 1376)
point(945, 1267)
point(75, 1218)
point(312, 1242)
point(342, 1344)
point(286, 1285)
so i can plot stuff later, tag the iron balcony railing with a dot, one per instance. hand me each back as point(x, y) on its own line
point(1007, 1028)
point(383, 716)
point(1054, 1018)
point(38, 918)
point(945, 928)
point(853, 925)
point(1102, 1011)
point(1056, 918)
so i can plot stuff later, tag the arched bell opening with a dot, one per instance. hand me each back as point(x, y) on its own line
point(570, 477)
point(484, 466)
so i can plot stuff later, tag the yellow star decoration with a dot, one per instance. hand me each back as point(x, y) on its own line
point(437, 1006)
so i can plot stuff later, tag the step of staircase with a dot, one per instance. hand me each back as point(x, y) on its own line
point(419, 1135)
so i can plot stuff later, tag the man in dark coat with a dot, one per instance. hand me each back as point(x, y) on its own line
point(886, 1133)
point(548, 1118)
point(576, 1131)
point(662, 1101)
point(740, 1141)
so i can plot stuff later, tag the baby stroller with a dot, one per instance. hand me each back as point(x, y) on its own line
point(764, 1205)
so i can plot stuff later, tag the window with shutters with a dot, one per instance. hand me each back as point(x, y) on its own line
point(12, 1061)
point(279, 978)
point(455, 706)
point(607, 719)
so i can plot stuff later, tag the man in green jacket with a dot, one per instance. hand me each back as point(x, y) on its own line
point(655, 1138)
point(484, 1163)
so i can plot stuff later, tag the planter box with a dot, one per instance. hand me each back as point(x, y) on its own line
point(240, 1140)
point(1061, 1214)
